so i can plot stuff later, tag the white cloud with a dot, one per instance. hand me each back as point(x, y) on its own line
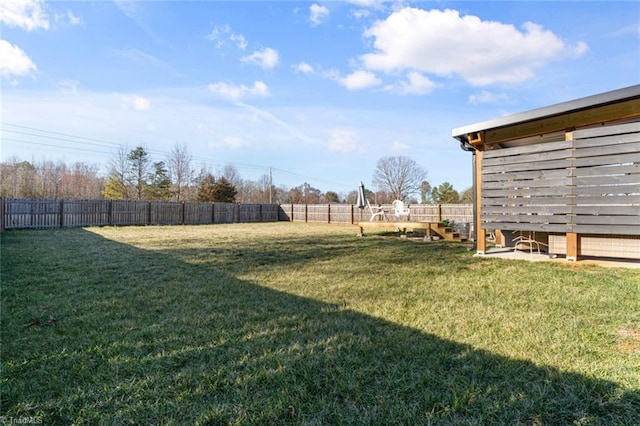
point(399, 146)
point(416, 84)
point(68, 86)
point(233, 142)
point(137, 103)
point(343, 140)
point(367, 3)
point(25, 14)
point(443, 43)
point(579, 49)
point(303, 67)
point(486, 97)
point(138, 56)
point(236, 92)
point(218, 35)
point(359, 80)
point(222, 34)
point(632, 29)
point(266, 58)
point(129, 8)
point(318, 13)
point(15, 63)
point(239, 40)
point(72, 19)
point(360, 13)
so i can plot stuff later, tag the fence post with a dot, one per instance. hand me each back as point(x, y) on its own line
point(213, 213)
point(184, 207)
point(439, 213)
point(328, 213)
point(306, 213)
point(149, 214)
point(292, 220)
point(1, 213)
point(61, 213)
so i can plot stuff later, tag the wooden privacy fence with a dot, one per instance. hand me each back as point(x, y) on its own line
point(38, 213)
point(348, 213)
point(47, 213)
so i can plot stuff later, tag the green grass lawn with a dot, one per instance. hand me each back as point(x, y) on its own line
point(286, 323)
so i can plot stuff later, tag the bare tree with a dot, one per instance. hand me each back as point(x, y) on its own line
point(179, 164)
point(86, 183)
point(18, 179)
point(399, 176)
point(116, 186)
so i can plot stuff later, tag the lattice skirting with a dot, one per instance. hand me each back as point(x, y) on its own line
point(625, 246)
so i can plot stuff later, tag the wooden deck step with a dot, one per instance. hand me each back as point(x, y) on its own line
point(444, 232)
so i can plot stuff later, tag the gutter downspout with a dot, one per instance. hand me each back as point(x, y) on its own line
point(466, 146)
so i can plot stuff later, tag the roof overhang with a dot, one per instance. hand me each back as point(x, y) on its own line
point(616, 105)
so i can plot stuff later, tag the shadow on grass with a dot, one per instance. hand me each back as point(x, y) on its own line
point(145, 337)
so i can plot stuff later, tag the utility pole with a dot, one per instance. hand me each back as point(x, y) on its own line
point(270, 186)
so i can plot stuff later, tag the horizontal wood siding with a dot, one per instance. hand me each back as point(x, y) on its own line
point(590, 184)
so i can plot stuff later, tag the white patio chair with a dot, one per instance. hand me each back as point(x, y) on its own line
point(399, 210)
point(376, 212)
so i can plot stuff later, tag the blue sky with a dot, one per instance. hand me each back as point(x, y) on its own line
point(317, 91)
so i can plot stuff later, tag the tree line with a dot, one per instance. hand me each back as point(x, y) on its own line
point(134, 175)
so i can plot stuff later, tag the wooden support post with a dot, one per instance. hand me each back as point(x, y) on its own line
point(328, 213)
point(2, 214)
point(306, 213)
point(352, 214)
point(61, 213)
point(499, 238)
point(573, 246)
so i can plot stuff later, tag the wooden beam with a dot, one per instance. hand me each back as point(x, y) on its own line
point(588, 117)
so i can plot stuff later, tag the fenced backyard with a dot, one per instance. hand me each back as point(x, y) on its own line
point(42, 214)
point(303, 323)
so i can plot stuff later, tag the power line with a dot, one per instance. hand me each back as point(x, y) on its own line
point(101, 143)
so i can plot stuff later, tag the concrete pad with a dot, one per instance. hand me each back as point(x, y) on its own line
point(510, 253)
